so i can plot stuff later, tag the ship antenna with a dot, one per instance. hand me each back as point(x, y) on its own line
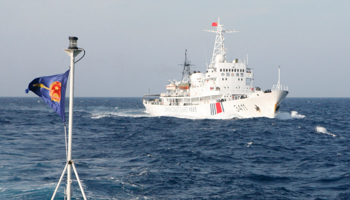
point(219, 47)
point(186, 73)
point(279, 77)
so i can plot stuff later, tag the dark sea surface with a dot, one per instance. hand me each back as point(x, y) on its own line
point(121, 152)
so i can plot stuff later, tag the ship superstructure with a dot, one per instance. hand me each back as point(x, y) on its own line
point(225, 90)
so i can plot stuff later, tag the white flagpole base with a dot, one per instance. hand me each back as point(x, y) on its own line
point(59, 182)
point(76, 175)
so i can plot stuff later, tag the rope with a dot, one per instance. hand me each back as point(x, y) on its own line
point(65, 138)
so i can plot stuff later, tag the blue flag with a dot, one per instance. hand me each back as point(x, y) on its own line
point(52, 89)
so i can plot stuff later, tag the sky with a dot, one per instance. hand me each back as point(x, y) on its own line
point(134, 47)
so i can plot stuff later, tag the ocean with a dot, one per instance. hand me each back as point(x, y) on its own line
point(121, 152)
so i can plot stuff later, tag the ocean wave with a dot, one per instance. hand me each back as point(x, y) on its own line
point(320, 129)
point(143, 156)
point(118, 114)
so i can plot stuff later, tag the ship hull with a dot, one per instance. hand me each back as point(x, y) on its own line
point(257, 105)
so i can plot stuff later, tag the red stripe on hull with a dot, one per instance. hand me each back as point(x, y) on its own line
point(218, 108)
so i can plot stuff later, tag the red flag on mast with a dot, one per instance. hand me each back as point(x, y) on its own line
point(214, 24)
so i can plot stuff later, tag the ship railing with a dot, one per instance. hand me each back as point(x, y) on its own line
point(151, 96)
point(280, 87)
point(238, 97)
point(232, 97)
point(152, 99)
point(188, 101)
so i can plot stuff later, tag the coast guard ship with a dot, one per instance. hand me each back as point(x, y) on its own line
point(224, 91)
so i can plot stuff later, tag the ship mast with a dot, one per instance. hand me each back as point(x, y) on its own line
point(186, 73)
point(219, 47)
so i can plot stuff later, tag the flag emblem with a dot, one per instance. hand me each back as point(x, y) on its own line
point(214, 24)
point(55, 91)
point(216, 108)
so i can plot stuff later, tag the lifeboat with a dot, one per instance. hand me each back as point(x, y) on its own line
point(184, 86)
point(171, 87)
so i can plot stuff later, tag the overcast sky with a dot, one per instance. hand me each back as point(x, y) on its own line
point(136, 46)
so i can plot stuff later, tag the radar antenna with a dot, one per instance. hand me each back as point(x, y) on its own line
point(219, 47)
point(186, 73)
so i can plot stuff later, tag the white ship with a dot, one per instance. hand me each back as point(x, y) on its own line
point(224, 91)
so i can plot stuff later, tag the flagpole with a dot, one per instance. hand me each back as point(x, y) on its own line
point(72, 51)
point(70, 125)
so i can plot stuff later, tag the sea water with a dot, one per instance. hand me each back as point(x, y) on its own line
point(121, 152)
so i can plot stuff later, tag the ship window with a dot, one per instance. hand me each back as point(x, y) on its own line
point(222, 78)
point(243, 70)
point(226, 79)
point(235, 70)
point(220, 70)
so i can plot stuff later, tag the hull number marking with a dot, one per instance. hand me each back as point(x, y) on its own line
point(240, 107)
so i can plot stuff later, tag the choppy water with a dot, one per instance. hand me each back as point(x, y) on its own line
point(122, 153)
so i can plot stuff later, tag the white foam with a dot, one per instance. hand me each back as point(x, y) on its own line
point(249, 144)
point(98, 116)
point(295, 114)
point(283, 116)
point(112, 114)
point(103, 113)
point(286, 116)
point(320, 129)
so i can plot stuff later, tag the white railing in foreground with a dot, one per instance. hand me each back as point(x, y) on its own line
point(280, 87)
